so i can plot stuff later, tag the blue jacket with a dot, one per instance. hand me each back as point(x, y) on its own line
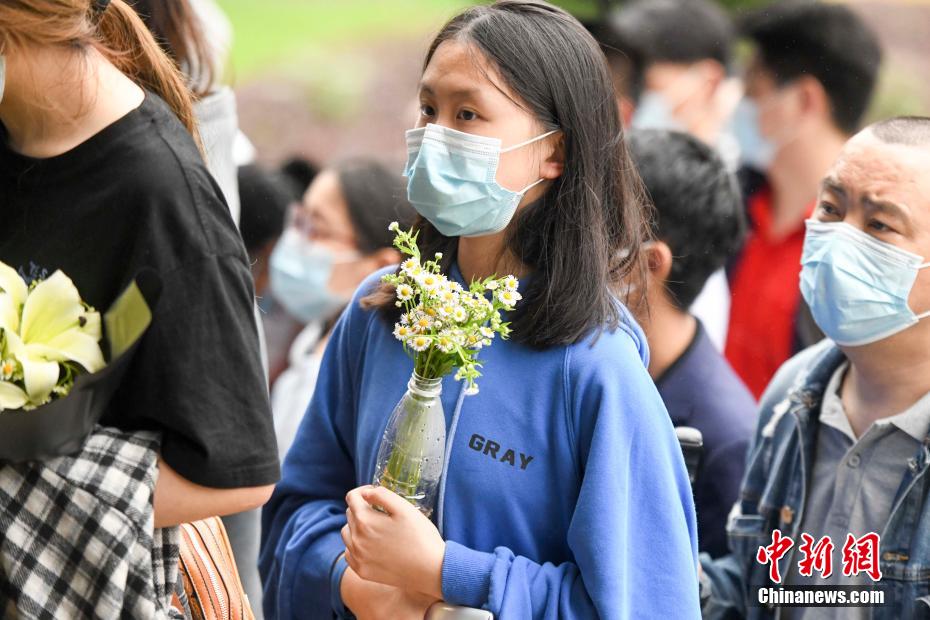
point(772, 496)
point(565, 496)
point(701, 390)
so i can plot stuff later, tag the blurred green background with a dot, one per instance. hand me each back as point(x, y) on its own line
point(270, 31)
point(328, 79)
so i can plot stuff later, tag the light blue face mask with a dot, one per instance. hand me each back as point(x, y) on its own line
point(300, 271)
point(654, 112)
point(452, 181)
point(857, 286)
point(756, 151)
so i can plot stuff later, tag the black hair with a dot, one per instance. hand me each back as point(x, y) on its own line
point(826, 41)
point(264, 199)
point(698, 209)
point(179, 31)
point(906, 130)
point(681, 31)
point(584, 233)
point(299, 173)
point(375, 197)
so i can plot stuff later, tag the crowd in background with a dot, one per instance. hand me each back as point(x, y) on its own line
point(793, 347)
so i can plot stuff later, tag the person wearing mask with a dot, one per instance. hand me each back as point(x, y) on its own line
point(337, 237)
point(841, 444)
point(101, 177)
point(807, 89)
point(685, 46)
point(597, 518)
point(698, 225)
point(265, 198)
point(264, 201)
point(678, 54)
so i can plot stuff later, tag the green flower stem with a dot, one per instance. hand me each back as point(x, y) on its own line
point(404, 468)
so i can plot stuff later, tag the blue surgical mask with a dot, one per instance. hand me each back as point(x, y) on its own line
point(300, 271)
point(756, 151)
point(2, 75)
point(451, 181)
point(654, 112)
point(855, 285)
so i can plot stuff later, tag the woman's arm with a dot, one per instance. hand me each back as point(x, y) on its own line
point(178, 500)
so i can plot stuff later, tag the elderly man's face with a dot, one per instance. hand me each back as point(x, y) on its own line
point(883, 190)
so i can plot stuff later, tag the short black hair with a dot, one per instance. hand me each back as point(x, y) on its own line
point(264, 198)
point(682, 31)
point(907, 130)
point(299, 173)
point(699, 212)
point(826, 41)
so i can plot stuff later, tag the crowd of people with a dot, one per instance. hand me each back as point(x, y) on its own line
point(702, 238)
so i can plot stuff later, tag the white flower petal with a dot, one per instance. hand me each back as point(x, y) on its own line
point(75, 346)
point(40, 377)
point(92, 326)
point(9, 313)
point(52, 307)
point(11, 397)
point(12, 284)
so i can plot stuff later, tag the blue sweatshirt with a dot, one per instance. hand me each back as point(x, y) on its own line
point(565, 493)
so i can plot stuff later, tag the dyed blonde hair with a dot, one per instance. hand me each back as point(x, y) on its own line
point(117, 32)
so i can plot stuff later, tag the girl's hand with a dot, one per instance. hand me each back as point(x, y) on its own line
point(399, 548)
point(375, 601)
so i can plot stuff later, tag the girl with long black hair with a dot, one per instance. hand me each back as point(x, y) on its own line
point(564, 494)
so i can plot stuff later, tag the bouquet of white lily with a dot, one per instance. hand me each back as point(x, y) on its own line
point(54, 379)
point(443, 326)
point(48, 336)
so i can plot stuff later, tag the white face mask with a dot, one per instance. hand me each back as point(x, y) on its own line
point(2, 75)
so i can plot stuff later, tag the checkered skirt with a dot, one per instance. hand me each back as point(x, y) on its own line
point(78, 535)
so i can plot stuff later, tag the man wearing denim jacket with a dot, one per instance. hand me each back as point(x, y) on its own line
point(842, 441)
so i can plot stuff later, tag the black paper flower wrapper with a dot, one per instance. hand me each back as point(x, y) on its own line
point(61, 427)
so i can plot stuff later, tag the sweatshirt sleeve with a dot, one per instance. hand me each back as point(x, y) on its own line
point(633, 532)
point(301, 543)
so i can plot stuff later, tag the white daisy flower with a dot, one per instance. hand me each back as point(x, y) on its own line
point(419, 343)
point(511, 283)
point(409, 265)
point(402, 332)
point(487, 332)
point(509, 297)
point(6, 369)
point(404, 292)
point(460, 314)
point(393, 226)
point(471, 390)
point(445, 344)
point(430, 281)
point(423, 323)
point(492, 285)
point(448, 296)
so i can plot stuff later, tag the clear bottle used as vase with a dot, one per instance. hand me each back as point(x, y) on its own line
point(413, 447)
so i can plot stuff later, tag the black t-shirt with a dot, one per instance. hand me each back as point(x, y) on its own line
point(138, 195)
